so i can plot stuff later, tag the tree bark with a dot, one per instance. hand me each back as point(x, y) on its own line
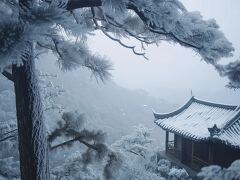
point(33, 148)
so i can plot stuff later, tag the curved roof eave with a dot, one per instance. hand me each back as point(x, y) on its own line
point(173, 113)
point(188, 103)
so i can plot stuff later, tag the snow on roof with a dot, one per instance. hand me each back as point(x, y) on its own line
point(201, 120)
point(231, 133)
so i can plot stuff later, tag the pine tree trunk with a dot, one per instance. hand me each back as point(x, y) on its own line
point(33, 149)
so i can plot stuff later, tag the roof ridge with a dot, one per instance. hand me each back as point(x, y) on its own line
point(188, 103)
point(219, 105)
point(175, 112)
point(232, 120)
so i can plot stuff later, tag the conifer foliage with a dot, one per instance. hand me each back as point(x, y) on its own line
point(63, 26)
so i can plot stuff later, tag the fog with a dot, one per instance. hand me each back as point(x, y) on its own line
point(97, 130)
point(173, 71)
point(164, 82)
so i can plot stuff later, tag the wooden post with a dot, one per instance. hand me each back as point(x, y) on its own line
point(192, 152)
point(210, 153)
point(166, 141)
point(180, 148)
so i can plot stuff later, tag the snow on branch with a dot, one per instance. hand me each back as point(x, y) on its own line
point(170, 19)
point(232, 71)
point(147, 21)
point(216, 172)
point(73, 128)
point(8, 75)
point(74, 55)
point(164, 20)
point(102, 28)
point(135, 143)
point(97, 150)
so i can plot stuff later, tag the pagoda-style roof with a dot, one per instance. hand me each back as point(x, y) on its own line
point(202, 120)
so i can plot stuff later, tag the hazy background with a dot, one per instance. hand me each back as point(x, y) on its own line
point(173, 71)
point(163, 83)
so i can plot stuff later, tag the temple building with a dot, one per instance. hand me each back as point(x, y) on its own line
point(202, 133)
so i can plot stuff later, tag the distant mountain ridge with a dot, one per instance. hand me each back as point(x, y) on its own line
point(108, 106)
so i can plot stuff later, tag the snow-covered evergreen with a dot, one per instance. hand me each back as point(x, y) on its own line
point(28, 27)
point(52, 26)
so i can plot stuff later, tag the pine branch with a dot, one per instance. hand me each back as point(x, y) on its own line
point(8, 137)
point(14, 130)
point(8, 75)
point(115, 39)
point(75, 4)
point(12, 135)
point(67, 143)
point(136, 153)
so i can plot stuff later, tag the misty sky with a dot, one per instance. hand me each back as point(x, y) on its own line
point(172, 71)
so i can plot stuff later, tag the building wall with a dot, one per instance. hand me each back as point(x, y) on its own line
point(197, 154)
point(224, 155)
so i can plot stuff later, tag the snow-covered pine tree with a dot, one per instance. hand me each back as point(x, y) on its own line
point(62, 27)
point(8, 124)
point(71, 130)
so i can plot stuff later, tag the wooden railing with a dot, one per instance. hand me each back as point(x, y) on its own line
point(198, 163)
point(172, 150)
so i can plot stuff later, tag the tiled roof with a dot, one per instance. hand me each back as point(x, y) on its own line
point(201, 120)
point(231, 133)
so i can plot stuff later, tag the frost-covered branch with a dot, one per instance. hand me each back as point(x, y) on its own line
point(135, 143)
point(232, 71)
point(147, 21)
point(170, 19)
point(97, 151)
point(72, 55)
point(124, 45)
point(8, 75)
point(8, 135)
point(9, 132)
point(72, 127)
point(50, 92)
point(70, 142)
point(131, 151)
point(110, 20)
point(164, 20)
point(75, 4)
point(116, 39)
point(7, 138)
